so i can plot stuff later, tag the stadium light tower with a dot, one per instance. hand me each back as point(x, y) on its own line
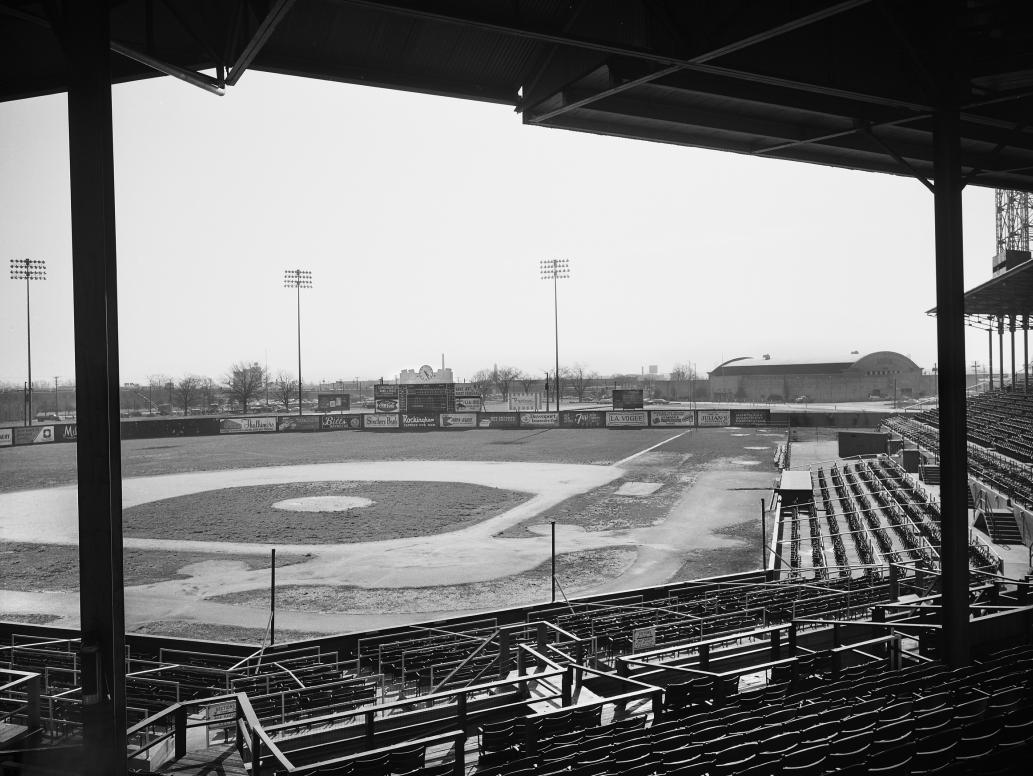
point(28, 269)
point(555, 270)
point(298, 279)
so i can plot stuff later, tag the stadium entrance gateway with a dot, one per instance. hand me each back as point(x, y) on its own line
point(934, 122)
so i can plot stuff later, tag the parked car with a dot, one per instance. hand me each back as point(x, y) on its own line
point(802, 399)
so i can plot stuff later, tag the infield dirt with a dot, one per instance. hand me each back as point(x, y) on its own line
point(476, 543)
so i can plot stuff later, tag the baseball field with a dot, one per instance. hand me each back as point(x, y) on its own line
point(376, 529)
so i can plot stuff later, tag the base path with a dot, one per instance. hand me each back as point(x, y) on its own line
point(467, 555)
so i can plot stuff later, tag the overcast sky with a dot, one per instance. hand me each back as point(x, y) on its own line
point(423, 219)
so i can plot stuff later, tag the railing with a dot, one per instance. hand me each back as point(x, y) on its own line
point(15, 685)
point(172, 723)
point(410, 716)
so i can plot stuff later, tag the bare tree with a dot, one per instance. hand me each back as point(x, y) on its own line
point(188, 391)
point(502, 377)
point(578, 379)
point(284, 389)
point(210, 391)
point(527, 381)
point(156, 383)
point(681, 371)
point(484, 379)
point(245, 382)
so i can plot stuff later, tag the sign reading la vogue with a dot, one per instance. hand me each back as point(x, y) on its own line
point(633, 419)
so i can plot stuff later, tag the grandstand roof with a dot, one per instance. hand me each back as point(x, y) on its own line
point(846, 83)
point(1010, 293)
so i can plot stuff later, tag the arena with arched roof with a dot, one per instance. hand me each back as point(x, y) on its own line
point(882, 373)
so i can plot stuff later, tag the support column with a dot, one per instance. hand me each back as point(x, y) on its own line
point(1011, 330)
point(990, 339)
point(1000, 347)
point(1025, 354)
point(950, 343)
point(86, 40)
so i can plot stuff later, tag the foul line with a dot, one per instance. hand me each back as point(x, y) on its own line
point(643, 452)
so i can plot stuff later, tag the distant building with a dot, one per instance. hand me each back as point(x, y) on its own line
point(425, 374)
point(853, 378)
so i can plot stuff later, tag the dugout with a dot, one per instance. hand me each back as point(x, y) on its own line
point(854, 443)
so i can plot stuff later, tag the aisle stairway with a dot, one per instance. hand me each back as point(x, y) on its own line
point(1002, 526)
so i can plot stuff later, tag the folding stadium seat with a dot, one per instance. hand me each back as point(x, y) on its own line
point(780, 744)
point(805, 761)
point(891, 734)
point(1017, 731)
point(587, 716)
point(779, 715)
point(700, 767)
point(376, 765)
point(563, 755)
point(929, 702)
point(894, 761)
point(496, 740)
point(407, 758)
point(1004, 701)
point(819, 734)
point(847, 750)
point(732, 759)
point(928, 761)
point(932, 722)
point(859, 723)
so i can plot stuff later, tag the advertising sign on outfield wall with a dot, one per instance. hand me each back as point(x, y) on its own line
point(634, 419)
point(540, 419)
point(669, 418)
point(469, 404)
point(575, 419)
point(498, 420)
point(459, 420)
point(419, 420)
point(6, 437)
point(372, 420)
point(386, 405)
point(69, 432)
point(385, 391)
point(467, 389)
point(33, 435)
point(751, 417)
point(340, 422)
point(713, 417)
point(299, 423)
point(525, 402)
point(247, 425)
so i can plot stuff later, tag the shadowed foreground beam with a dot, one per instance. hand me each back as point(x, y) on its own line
point(86, 42)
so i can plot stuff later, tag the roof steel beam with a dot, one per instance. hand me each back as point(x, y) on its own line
point(566, 39)
point(695, 63)
point(265, 30)
point(201, 80)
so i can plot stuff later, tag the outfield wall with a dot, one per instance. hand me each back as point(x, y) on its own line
point(381, 422)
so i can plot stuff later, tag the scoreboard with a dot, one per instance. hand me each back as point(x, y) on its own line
point(433, 398)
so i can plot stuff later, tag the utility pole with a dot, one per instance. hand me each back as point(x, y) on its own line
point(298, 279)
point(28, 269)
